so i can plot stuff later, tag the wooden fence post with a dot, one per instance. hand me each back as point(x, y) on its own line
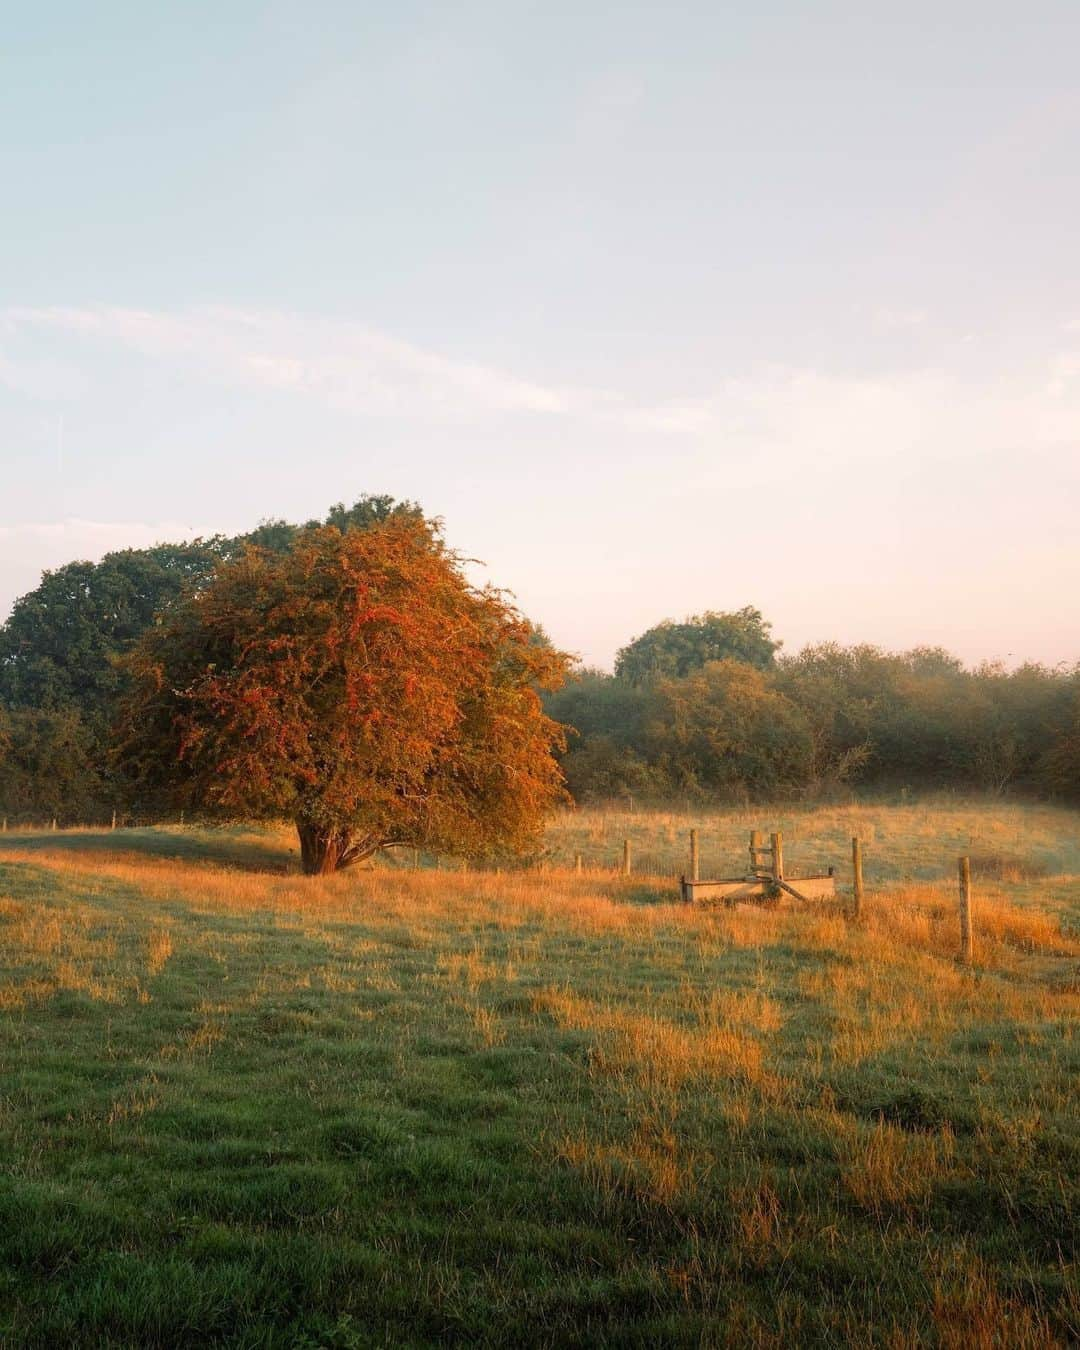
point(53, 825)
point(577, 863)
point(4, 826)
point(694, 857)
point(967, 940)
point(626, 857)
point(856, 872)
point(113, 825)
point(755, 848)
point(777, 841)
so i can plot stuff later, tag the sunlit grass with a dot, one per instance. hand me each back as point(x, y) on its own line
point(920, 840)
point(413, 1105)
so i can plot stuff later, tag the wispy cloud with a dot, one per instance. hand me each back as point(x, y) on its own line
point(341, 363)
point(793, 415)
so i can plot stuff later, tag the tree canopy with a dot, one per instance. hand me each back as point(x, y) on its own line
point(851, 716)
point(672, 650)
point(366, 511)
point(60, 645)
point(723, 727)
point(48, 767)
point(356, 684)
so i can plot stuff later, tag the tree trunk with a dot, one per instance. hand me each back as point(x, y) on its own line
point(322, 850)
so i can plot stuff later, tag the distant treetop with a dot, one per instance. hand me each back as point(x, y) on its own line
point(672, 650)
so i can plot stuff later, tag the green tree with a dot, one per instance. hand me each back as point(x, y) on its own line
point(724, 728)
point(60, 646)
point(592, 703)
point(598, 768)
point(671, 650)
point(48, 767)
point(604, 719)
point(1057, 768)
point(1025, 715)
point(837, 690)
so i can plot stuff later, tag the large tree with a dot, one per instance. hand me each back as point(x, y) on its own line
point(356, 684)
point(671, 650)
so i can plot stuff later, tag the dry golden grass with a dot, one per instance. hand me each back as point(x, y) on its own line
point(649, 1169)
point(657, 1054)
point(972, 1313)
point(886, 1168)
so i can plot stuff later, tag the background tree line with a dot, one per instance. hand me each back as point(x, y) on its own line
point(708, 707)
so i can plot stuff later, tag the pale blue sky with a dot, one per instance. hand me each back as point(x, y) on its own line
point(661, 307)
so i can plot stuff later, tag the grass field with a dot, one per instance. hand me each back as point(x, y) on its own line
point(401, 1107)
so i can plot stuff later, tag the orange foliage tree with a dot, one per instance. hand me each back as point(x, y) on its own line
point(358, 685)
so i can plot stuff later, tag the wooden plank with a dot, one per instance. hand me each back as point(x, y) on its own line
point(733, 888)
point(755, 887)
point(810, 888)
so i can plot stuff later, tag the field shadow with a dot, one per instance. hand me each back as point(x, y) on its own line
point(227, 847)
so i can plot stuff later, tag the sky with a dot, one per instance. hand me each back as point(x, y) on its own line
point(661, 307)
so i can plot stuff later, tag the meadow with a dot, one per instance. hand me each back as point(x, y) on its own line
point(420, 1104)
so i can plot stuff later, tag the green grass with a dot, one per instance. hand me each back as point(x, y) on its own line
point(395, 1108)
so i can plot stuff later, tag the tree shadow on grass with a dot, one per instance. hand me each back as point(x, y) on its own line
point(230, 846)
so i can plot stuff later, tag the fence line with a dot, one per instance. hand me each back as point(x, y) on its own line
point(646, 866)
